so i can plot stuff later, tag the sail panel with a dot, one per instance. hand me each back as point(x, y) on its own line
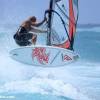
point(68, 11)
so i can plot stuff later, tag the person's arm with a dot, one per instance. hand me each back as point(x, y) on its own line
point(39, 24)
point(38, 30)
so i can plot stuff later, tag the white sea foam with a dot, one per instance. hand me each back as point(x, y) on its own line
point(44, 86)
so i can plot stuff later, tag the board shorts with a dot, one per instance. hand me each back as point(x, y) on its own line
point(22, 38)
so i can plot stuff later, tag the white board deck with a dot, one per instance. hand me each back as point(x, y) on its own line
point(43, 56)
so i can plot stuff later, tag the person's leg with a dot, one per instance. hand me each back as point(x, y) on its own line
point(23, 39)
point(34, 38)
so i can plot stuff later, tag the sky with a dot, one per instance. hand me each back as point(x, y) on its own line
point(21, 9)
point(89, 11)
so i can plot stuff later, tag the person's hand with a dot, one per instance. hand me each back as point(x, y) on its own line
point(47, 11)
point(45, 18)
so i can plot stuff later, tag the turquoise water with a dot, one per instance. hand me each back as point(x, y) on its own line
point(26, 96)
point(87, 45)
point(82, 77)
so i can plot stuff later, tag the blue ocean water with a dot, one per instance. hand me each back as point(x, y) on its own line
point(78, 81)
point(27, 96)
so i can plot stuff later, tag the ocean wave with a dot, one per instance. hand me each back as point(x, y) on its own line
point(44, 86)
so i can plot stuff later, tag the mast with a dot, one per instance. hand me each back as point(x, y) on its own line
point(50, 19)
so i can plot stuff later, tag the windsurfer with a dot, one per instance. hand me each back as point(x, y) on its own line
point(23, 35)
